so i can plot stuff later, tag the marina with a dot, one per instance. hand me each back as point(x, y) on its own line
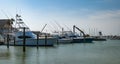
point(59, 32)
point(22, 46)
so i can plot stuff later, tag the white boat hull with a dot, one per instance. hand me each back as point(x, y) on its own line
point(64, 41)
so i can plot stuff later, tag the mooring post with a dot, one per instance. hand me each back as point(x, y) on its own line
point(7, 41)
point(57, 42)
point(4, 40)
point(37, 40)
point(14, 41)
point(84, 40)
point(24, 40)
point(45, 39)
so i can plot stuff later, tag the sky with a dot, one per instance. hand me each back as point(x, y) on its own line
point(91, 16)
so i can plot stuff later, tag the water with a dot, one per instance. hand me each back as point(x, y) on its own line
point(107, 52)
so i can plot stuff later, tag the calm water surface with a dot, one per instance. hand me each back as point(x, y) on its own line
point(107, 52)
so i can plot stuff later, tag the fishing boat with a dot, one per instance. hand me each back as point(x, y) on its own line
point(99, 39)
point(80, 39)
point(73, 37)
point(31, 40)
point(23, 32)
point(62, 38)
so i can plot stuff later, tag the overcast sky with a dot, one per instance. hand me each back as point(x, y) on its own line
point(89, 15)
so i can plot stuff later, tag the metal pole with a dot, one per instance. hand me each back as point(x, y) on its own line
point(73, 29)
point(37, 40)
point(7, 41)
point(14, 41)
point(4, 40)
point(57, 40)
point(24, 40)
point(45, 39)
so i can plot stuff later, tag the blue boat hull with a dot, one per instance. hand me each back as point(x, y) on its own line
point(82, 40)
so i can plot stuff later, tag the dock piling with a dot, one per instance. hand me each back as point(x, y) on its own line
point(14, 41)
point(7, 41)
point(37, 40)
point(24, 40)
point(45, 39)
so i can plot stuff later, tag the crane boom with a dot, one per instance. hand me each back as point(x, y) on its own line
point(79, 30)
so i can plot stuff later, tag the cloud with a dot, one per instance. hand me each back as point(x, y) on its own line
point(107, 21)
point(102, 15)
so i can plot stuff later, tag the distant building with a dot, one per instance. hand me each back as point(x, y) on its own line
point(6, 26)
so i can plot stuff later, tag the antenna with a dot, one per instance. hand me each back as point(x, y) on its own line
point(67, 27)
point(58, 24)
point(54, 26)
point(50, 27)
point(43, 27)
point(10, 14)
point(4, 14)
